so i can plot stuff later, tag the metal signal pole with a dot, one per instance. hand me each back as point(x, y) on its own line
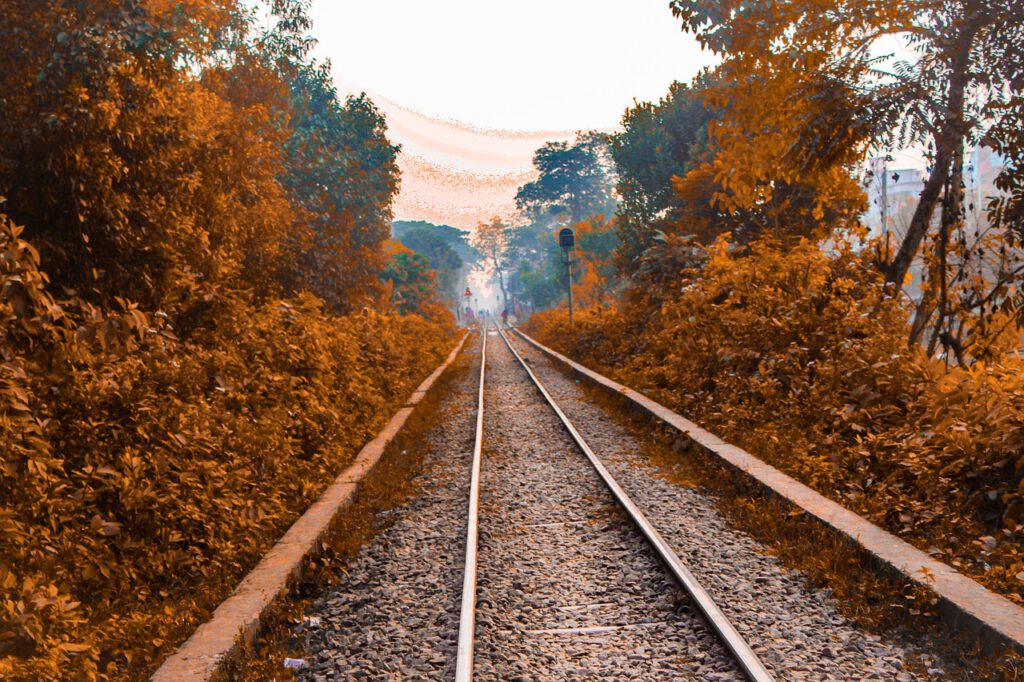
point(567, 240)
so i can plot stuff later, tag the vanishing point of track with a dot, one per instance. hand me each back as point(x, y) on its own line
point(741, 652)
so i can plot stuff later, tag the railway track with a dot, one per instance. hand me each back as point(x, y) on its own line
point(746, 661)
point(556, 576)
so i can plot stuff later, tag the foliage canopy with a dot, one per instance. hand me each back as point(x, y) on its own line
point(191, 257)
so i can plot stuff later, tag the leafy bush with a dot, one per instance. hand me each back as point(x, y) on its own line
point(142, 474)
point(177, 397)
point(800, 356)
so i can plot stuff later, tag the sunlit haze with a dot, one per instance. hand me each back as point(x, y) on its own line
point(471, 89)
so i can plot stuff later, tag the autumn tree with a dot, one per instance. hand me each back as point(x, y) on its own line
point(343, 171)
point(595, 281)
point(274, 184)
point(806, 94)
point(492, 240)
point(130, 172)
point(340, 170)
point(413, 283)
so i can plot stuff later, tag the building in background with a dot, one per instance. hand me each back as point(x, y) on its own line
point(892, 197)
point(894, 187)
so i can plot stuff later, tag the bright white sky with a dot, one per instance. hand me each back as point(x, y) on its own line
point(524, 65)
point(542, 67)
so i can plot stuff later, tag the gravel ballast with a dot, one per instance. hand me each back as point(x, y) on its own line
point(798, 631)
point(567, 588)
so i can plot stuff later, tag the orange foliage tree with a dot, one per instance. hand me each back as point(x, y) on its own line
point(685, 179)
point(134, 178)
point(187, 356)
point(595, 278)
point(806, 93)
point(492, 240)
point(413, 284)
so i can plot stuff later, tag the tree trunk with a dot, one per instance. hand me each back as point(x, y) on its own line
point(925, 308)
point(937, 267)
point(575, 208)
point(952, 218)
point(501, 284)
point(922, 218)
point(946, 139)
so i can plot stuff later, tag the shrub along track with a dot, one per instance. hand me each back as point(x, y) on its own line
point(567, 589)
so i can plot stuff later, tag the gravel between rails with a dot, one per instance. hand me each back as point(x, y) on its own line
point(395, 616)
point(797, 630)
point(558, 557)
point(568, 588)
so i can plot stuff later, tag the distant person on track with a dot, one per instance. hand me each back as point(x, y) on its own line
point(504, 317)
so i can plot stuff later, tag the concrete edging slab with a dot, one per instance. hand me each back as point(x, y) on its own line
point(963, 602)
point(238, 617)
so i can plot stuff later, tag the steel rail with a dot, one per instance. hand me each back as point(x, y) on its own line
point(467, 616)
point(741, 651)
